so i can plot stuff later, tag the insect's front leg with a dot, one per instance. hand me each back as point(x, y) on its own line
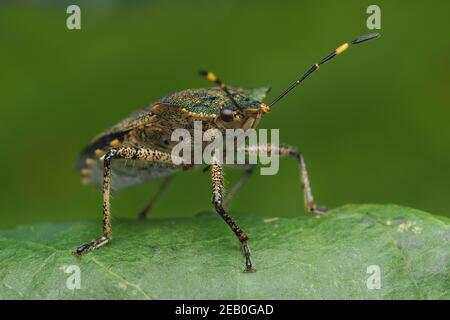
point(128, 153)
point(289, 151)
point(217, 200)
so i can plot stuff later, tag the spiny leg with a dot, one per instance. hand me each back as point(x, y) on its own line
point(217, 200)
point(128, 153)
point(286, 150)
point(162, 187)
point(310, 205)
point(248, 171)
point(107, 232)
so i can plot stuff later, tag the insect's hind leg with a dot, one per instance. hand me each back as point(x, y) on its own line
point(217, 200)
point(162, 187)
point(128, 153)
point(248, 172)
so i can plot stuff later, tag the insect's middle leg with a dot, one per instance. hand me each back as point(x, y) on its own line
point(162, 187)
point(217, 200)
point(289, 151)
point(128, 153)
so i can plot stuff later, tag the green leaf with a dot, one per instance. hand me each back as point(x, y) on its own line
point(302, 257)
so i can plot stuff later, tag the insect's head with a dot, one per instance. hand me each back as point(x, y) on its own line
point(243, 108)
point(246, 108)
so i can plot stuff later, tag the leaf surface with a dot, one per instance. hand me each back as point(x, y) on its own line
point(302, 257)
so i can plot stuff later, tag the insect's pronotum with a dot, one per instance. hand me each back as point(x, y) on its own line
point(144, 139)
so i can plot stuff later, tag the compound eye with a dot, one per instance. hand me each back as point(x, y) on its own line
point(226, 115)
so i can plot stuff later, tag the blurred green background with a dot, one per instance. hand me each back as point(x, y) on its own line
point(373, 124)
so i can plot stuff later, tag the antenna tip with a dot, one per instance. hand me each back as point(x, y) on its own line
point(365, 38)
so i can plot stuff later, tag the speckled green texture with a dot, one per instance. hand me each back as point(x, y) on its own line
point(301, 257)
point(211, 100)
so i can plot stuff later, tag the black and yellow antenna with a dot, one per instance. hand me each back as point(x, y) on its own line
point(316, 66)
point(213, 78)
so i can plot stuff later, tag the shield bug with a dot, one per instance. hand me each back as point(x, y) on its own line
point(138, 148)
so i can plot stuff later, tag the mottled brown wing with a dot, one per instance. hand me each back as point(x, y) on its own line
point(150, 128)
point(102, 142)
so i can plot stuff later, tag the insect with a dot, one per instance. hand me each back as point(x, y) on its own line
point(138, 148)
